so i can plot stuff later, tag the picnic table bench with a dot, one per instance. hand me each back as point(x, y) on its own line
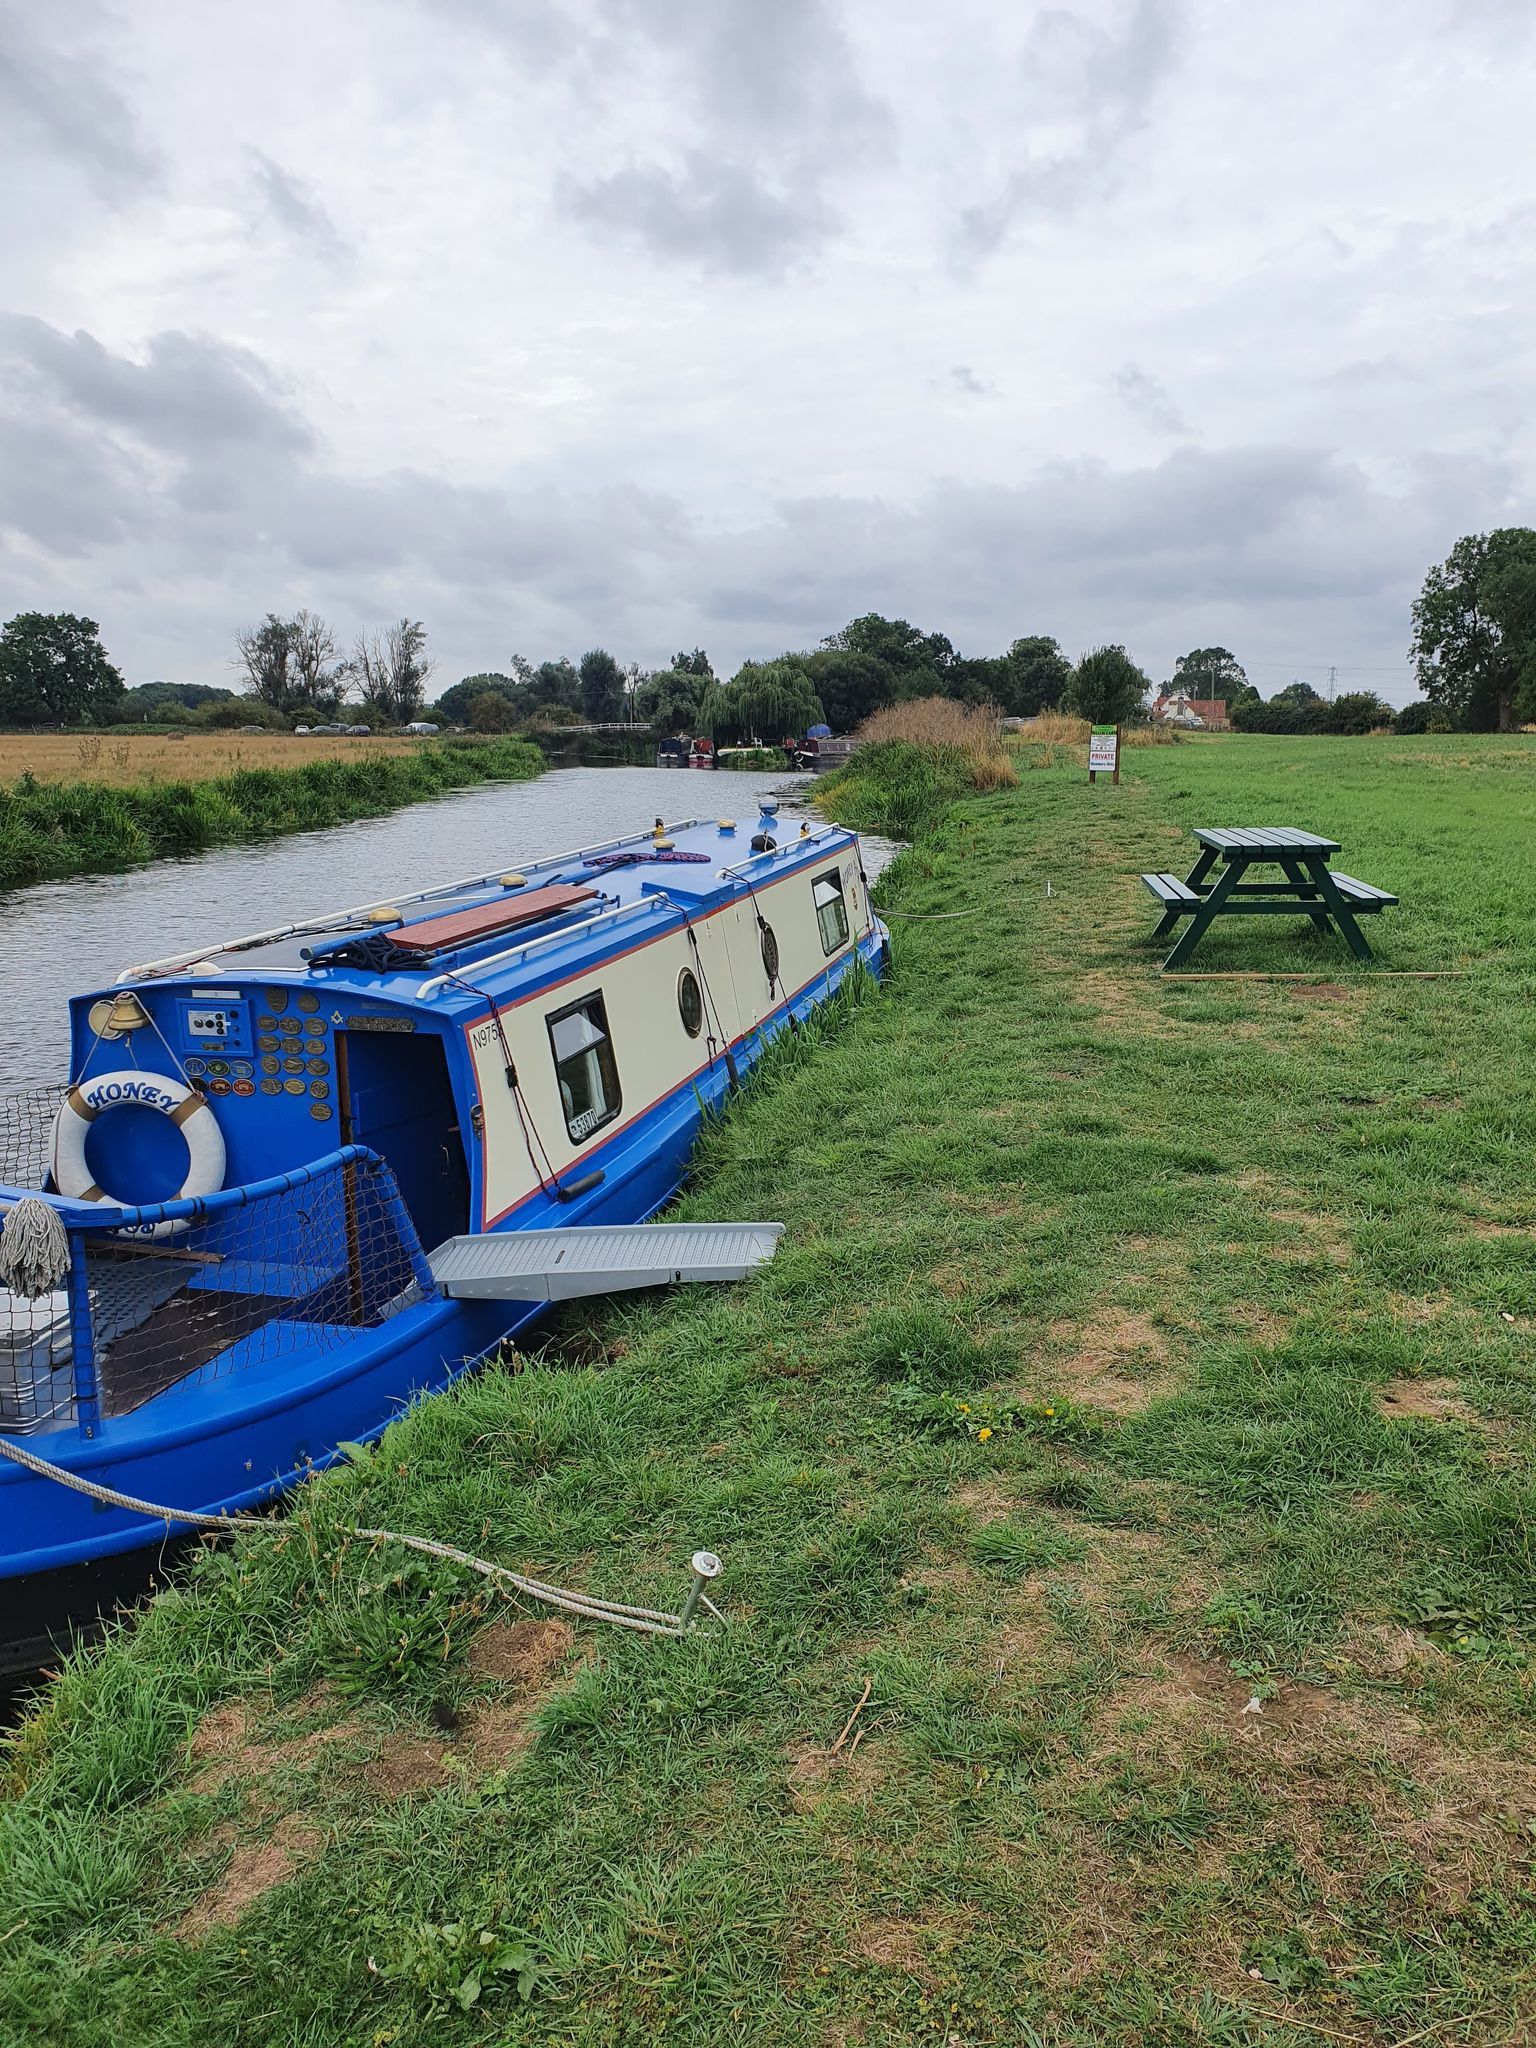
point(1305, 887)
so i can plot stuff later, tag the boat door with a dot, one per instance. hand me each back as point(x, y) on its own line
point(396, 1096)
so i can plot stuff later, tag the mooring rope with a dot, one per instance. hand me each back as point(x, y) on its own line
point(648, 1620)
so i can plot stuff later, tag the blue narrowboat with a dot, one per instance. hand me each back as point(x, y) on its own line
point(261, 1145)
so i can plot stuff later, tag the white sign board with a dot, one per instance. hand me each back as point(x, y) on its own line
point(1103, 750)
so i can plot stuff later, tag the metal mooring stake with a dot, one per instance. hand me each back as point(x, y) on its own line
point(706, 1566)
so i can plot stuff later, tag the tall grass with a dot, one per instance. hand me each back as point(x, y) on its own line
point(52, 829)
point(914, 759)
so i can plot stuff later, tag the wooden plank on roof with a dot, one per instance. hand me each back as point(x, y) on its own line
point(460, 927)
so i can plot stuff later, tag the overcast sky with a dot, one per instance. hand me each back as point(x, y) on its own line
point(648, 323)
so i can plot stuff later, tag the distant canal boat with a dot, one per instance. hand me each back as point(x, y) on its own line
point(262, 1144)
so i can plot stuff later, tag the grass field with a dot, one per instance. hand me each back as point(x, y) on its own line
point(1137, 1419)
point(50, 829)
point(119, 758)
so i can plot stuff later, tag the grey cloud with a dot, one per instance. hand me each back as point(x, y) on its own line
point(296, 208)
point(1104, 81)
point(61, 99)
point(191, 394)
point(770, 109)
point(715, 214)
point(1149, 400)
point(1205, 543)
point(965, 379)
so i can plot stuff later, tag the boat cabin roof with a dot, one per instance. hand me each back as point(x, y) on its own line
point(503, 929)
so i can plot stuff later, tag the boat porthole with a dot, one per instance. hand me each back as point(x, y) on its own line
point(690, 1004)
point(770, 952)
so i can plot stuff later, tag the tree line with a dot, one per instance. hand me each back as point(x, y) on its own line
point(1473, 651)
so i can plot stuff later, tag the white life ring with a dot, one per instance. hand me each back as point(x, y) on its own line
point(186, 1109)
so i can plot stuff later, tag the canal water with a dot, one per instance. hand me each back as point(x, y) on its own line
point(63, 937)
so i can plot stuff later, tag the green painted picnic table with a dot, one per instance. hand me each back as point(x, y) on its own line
point(1306, 886)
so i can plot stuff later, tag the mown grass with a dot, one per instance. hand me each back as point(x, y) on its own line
point(1138, 1350)
point(52, 829)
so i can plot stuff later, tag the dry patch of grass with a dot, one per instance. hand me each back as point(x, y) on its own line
point(1118, 1360)
point(1430, 1400)
point(122, 760)
point(235, 1741)
point(255, 1869)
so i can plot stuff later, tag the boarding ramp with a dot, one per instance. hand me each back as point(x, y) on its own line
point(564, 1265)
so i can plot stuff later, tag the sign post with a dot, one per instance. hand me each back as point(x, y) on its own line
point(1104, 752)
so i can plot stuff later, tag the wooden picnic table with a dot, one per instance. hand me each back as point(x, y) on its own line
point(1306, 886)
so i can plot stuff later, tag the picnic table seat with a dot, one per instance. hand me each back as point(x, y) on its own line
point(1361, 896)
point(1172, 889)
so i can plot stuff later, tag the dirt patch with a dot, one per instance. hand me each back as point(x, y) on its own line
point(893, 1944)
point(406, 1764)
point(984, 1500)
point(233, 1741)
point(851, 1773)
point(1430, 1400)
point(1104, 1349)
point(254, 1869)
point(522, 1653)
point(499, 1732)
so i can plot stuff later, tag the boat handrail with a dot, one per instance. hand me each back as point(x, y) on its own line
point(327, 920)
point(789, 846)
point(578, 927)
point(99, 1216)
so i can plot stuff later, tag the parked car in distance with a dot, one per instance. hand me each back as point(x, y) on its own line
point(421, 727)
point(362, 730)
point(300, 729)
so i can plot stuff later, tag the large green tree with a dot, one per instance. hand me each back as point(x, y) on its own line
point(1474, 629)
point(669, 700)
point(1106, 687)
point(1032, 676)
point(453, 707)
point(602, 687)
point(1213, 672)
point(54, 670)
point(917, 662)
point(850, 685)
point(773, 701)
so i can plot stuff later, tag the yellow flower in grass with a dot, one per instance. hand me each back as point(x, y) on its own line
point(982, 1435)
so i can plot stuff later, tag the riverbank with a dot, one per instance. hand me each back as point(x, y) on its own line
point(50, 830)
point(1136, 1420)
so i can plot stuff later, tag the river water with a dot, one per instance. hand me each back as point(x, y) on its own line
point(63, 937)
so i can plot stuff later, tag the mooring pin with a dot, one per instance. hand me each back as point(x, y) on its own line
point(706, 1566)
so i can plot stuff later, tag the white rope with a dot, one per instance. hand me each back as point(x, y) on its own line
point(34, 1249)
point(645, 1619)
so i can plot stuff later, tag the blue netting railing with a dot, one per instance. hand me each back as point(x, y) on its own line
point(220, 1285)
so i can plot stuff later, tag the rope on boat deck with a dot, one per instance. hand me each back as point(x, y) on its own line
point(647, 1620)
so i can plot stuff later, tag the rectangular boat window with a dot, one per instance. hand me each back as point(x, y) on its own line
point(831, 912)
point(585, 1066)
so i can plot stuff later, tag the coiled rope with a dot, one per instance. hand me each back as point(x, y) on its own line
point(647, 1620)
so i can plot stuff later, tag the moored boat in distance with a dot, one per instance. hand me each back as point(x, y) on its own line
point(262, 1144)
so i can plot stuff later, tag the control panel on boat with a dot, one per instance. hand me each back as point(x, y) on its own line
point(284, 1035)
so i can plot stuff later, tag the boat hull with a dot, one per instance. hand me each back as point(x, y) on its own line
point(238, 1444)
